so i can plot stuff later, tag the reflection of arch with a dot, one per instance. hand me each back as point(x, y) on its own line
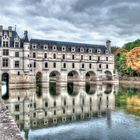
point(72, 89)
point(108, 75)
point(90, 88)
point(90, 76)
point(73, 79)
point(39, 83)
point(108, 89)
point(54, 87)
point(5, 85)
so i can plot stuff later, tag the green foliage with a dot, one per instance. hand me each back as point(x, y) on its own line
point(129, 46)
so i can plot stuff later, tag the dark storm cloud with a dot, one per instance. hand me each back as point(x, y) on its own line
point(90, 21)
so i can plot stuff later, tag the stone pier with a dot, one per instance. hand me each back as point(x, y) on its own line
point(8, 127)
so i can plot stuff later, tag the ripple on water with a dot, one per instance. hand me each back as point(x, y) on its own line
point(121, 126)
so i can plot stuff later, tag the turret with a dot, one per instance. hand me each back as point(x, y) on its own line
point(108, 45)
point(26, 46)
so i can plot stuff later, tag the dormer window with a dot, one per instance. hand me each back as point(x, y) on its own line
point(73, 49)
point(98, 51)
point(16, 44)
point(5, 43)
point(63, 48)
point(54, 47)
point(45, 47)
point(90, 50)
point(34, 46)
point(106, 51)
point(81, 49)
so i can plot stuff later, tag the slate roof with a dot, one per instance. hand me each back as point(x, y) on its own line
point(68, 45)
point(14, 35)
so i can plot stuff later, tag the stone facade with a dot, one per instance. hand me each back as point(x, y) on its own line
point(21, 59)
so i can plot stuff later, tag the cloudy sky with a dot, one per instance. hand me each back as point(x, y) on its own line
point(88, 21)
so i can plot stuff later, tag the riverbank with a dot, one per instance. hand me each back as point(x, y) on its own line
point(8, 127)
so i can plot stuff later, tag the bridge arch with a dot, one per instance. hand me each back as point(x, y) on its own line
point(39, 83)
point(108, 75)
point(73, 79)
point(54, 83)
point(5, 85)
point(90, 76)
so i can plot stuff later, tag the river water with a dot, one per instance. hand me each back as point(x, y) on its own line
point(97, 112)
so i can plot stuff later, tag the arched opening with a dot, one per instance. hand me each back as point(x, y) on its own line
point(5, 86)
point(39, 84)
point(54, 86)
point(90, 76)
point(90, 88)
point(108, 76)
point(73, 83)
point(108, 88)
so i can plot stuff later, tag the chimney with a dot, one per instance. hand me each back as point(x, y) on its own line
point(1, 30)
point(108, 45)
point(10, 31)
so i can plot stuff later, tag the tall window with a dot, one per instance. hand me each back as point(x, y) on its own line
point(100, 66)
point(54, 56)
point(106, 66)
point(72, 56)
point(83, 65)
point(5, 62)
point(34, 64)
point(5, 43)
point(16, 64)
point(34, 55)
point(90, 57)
point(16, 44)
point(54, 103)
point(5, 52)
point(45, 55)
point(81, 57)
point(63, 56)
point(64, 65)
point(54, 65)
point(46, 65)
point(106, 58)
point(90, 66)
point(98, 58)
point(73, 65)
point(16, 54)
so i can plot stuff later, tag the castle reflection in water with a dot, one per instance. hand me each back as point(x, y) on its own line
point(32, 112)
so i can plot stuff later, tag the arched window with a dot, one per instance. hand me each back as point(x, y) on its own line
point(106, 66)
point(54, 56)
point(54, 65)
point(81, 57)
point(64, 65)
point(90, 57)
point(34, 55)
point(73, 56)
point(45, 55)
point(83, 65)
point(90, 66)
point(100, 66)
point(73, 65)
point(63, 56)
point(46, 65)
